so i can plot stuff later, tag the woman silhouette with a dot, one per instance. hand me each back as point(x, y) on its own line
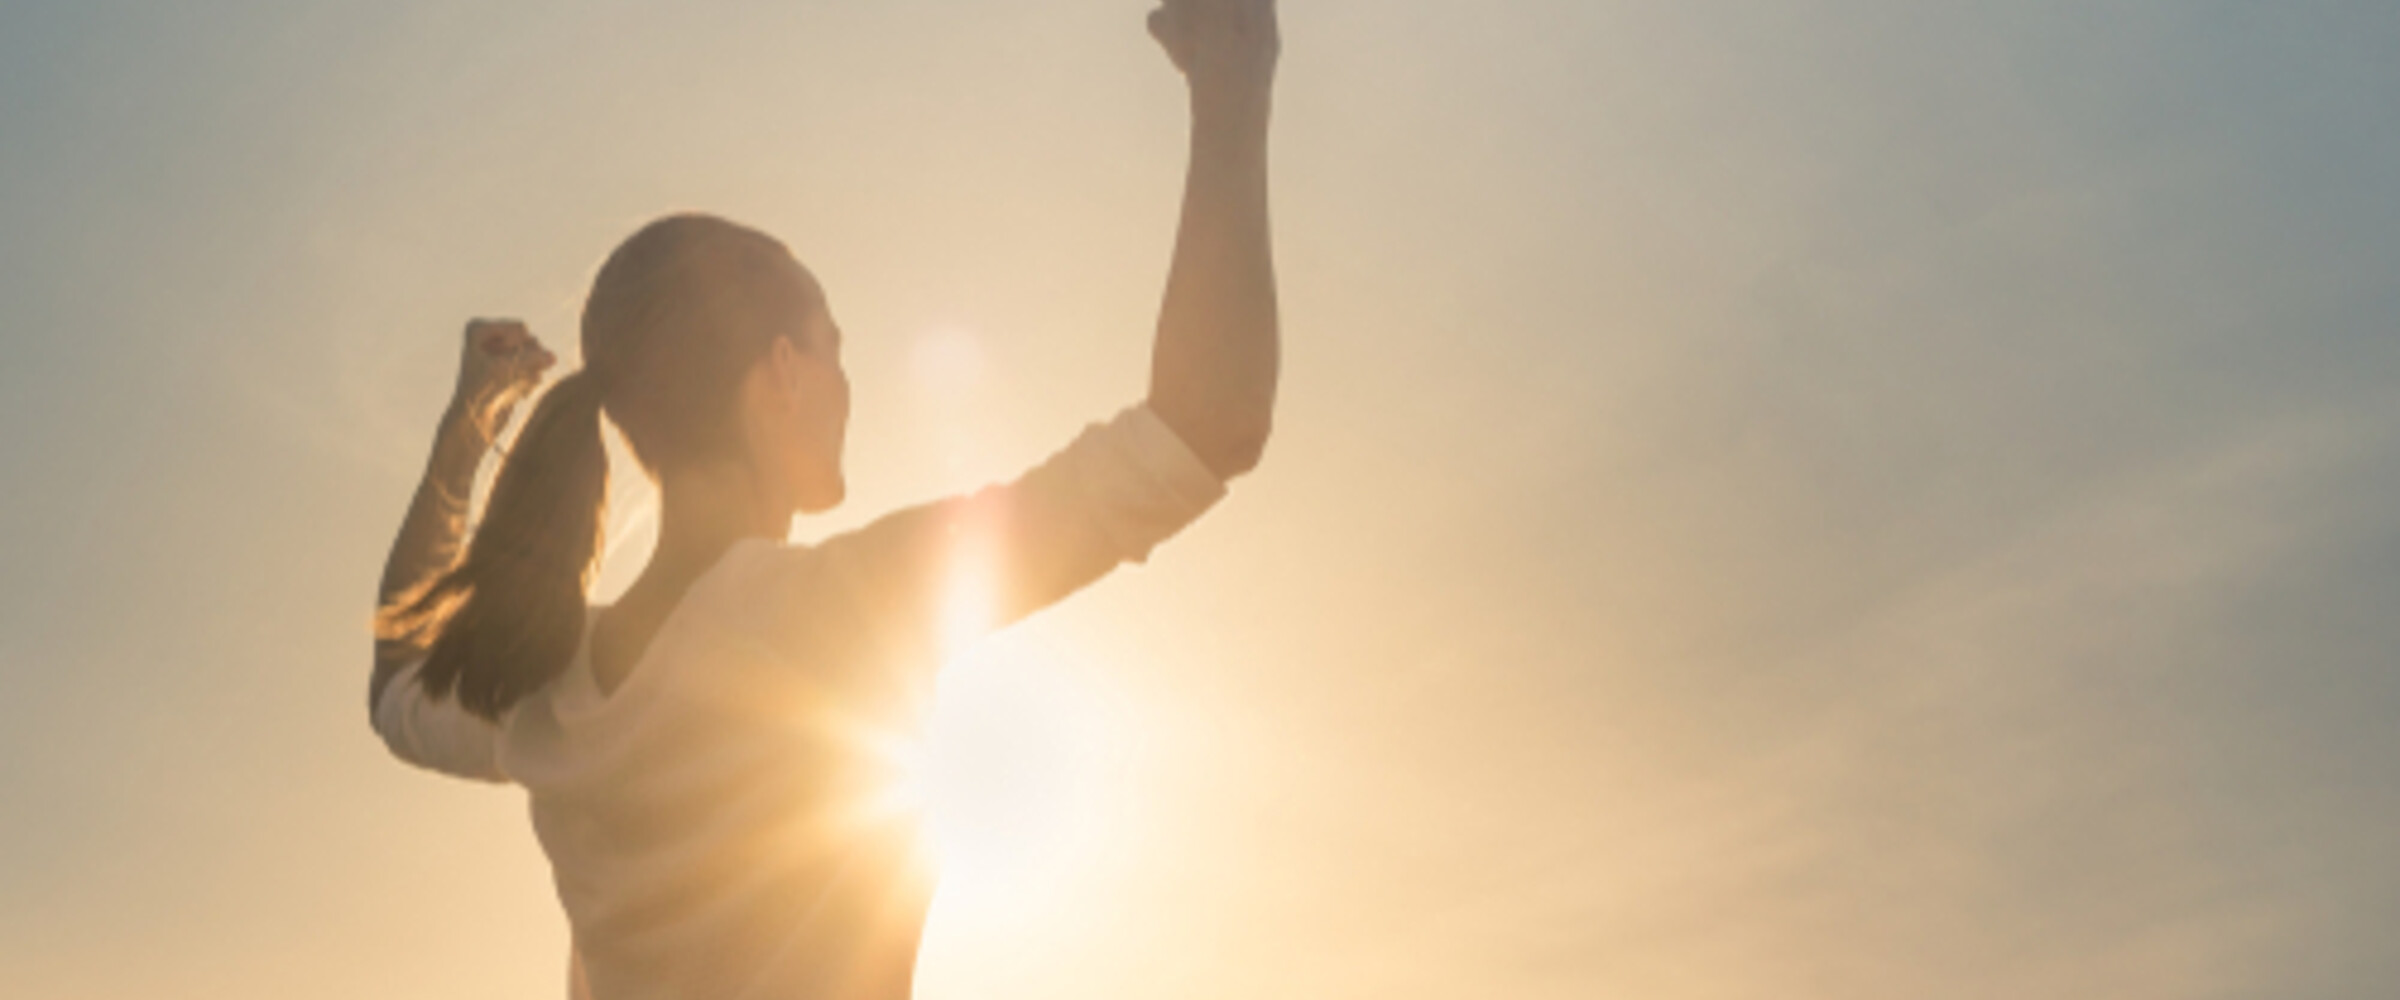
point(691, 752)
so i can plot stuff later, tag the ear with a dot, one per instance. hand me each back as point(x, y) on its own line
point(783, 362)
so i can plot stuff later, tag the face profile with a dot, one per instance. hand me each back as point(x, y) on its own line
point(797, 413)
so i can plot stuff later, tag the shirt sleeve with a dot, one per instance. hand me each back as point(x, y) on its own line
point(436, 735)
point(926, 578)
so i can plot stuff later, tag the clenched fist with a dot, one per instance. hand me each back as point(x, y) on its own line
point(499, 365)
point(1226, 48)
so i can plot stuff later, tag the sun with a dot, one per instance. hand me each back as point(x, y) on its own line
point(1010, 776)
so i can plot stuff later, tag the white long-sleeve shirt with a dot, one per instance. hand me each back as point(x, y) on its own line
point(721, 825)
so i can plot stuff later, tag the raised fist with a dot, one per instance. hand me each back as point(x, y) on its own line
point(498, 366)
point(1226, 48)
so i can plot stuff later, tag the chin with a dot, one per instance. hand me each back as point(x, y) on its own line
point(823, 497)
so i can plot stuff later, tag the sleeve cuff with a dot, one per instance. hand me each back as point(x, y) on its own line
point(438, 737)
point(1168, 457)
point(1150, 484)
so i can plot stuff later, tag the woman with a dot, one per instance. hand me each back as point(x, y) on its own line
point(694, 752)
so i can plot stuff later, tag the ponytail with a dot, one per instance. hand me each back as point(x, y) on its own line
point(509, 616)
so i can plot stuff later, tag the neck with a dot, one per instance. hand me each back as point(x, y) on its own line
point(702, 512)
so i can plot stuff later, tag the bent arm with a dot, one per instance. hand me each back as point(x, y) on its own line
point(500, 362)
point(926, 577)
point(441, 736)
point(430, 535)
point(1214, 367)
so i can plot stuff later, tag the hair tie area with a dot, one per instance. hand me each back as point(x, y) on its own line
point(586, 386)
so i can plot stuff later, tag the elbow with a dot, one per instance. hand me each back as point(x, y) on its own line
point(380, 712)
point(375, 699)
point(1238, 452)
point(386, 668)
point(1229, 441)
point(382, 727)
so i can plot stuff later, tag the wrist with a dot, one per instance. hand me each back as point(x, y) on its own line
point(1229, 141)
point(1229, 111)
point(462, 426)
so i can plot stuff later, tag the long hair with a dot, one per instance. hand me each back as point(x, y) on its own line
point(676, 317)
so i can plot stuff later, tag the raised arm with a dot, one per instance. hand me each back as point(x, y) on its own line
point(927, 576)
point(1213, 371)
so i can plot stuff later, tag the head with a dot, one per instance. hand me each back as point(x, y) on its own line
point(716, 349)
point(714, 352)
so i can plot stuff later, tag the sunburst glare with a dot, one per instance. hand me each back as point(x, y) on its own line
point(1011, 776)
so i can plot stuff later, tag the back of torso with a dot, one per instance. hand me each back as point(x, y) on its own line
point(717, 818)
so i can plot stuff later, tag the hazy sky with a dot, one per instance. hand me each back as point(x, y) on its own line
point(1841, 500)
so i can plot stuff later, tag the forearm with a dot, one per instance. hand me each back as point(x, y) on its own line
point(1215, 365)
point(441, 735)
point(500, 361)
point(430, 534)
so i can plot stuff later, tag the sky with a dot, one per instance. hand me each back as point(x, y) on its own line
point(1819, 499)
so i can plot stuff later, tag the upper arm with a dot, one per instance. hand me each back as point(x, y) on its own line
point(946, 571)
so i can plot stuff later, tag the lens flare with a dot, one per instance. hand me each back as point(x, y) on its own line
point(1010, 777)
